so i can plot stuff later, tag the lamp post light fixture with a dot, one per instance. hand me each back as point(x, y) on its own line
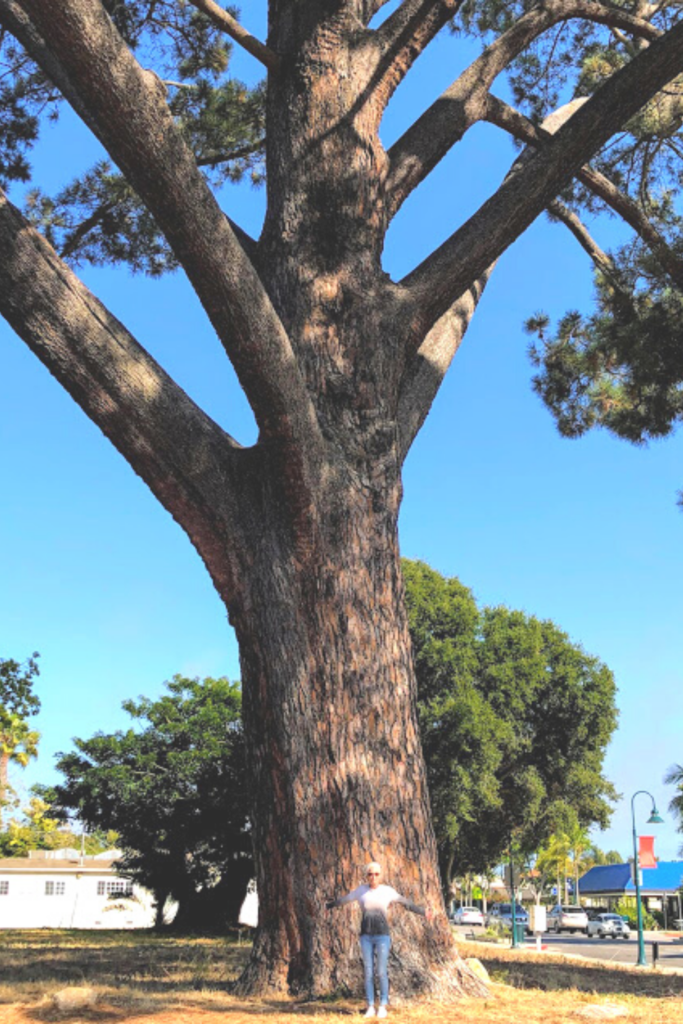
point(654, 819)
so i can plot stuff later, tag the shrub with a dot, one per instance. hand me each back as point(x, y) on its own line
point(626, 907)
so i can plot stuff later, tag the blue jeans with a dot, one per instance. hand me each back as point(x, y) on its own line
point(368, 945)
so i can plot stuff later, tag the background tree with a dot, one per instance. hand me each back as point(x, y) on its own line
point(18, 744)
point(39, 828)
point(552, 859)
point(16, 686)
point(339, 363)
point(599, 856)
point(174, 788)
point(537, 870)
point(580, 855)
point(674, 777)
point(515, 722)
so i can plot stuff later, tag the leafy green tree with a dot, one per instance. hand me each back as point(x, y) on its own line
point(339, 363)
point(596, 856)
point(16, 686)
point(39, 828)
point(36, 831)
point(18, 743)
point(174, 787)
point(515, 721)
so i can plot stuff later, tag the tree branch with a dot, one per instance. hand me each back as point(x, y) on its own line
point(428, 367)
point(166, 438)
point(372, 7)
point(401, 39)
point(213, 159)
point(602, 261)
point(504, 116)
point(426, 142)
point(463, 258)
point(226, 23)
point(81, 230)
point(127, 106)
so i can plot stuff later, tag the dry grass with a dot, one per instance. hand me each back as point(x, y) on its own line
point(147, 979)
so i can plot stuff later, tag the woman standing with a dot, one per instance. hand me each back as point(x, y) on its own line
point(375, 899)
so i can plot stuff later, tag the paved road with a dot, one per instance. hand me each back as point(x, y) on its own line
point(616, 950)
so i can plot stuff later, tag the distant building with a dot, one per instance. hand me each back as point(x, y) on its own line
point(660, 888)
point(63, 889)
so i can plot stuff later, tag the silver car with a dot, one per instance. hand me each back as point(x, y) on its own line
point(501, 913)
point(565, 918)
point(609, 926)
point(468, 915)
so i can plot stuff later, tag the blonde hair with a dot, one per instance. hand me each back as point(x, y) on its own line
point(375, 865)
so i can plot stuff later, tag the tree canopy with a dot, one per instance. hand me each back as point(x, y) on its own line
point(38, 828)
point(174, 788)
point(594, 369)
point(515, 721)
point(18, 742)
point(16, 686)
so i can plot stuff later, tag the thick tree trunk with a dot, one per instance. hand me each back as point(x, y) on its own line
point(336, 767)
point(216, 908)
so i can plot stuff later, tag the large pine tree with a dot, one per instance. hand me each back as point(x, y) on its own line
point(339, 363)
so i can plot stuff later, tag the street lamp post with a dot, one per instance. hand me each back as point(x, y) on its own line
point(513, 904)
point(654, 819)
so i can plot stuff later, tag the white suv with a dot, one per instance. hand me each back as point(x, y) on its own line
point(564, 918)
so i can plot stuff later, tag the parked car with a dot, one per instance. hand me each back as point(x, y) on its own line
point(609, 926)
point(565, 918)
point(468, 915)
point(592, 913)
point(501, 913)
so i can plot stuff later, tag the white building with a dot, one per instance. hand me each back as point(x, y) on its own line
point(62, 889)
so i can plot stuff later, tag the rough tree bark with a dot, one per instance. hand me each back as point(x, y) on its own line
point(340, 365)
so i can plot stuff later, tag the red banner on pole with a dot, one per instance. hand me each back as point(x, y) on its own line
point(646, 852)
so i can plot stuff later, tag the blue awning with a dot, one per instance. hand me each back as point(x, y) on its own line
point(615, 879)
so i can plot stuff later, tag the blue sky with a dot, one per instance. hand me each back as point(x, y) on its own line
point(96, 576)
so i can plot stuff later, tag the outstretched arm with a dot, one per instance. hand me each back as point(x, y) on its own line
point(350, 897)
point(414, 908)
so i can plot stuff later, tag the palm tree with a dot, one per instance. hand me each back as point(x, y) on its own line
point(674, 777)
point(537, 871)
point(580, 852)
point(18, 744)
point(555, 856)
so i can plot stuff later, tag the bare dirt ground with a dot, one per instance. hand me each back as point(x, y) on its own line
point(146, 979)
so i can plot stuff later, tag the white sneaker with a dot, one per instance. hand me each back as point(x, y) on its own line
point(370, 1012)
point(382, 1011)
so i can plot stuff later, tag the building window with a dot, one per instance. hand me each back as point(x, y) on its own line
point(115, 887)
point(55, 888)
point(4, 888)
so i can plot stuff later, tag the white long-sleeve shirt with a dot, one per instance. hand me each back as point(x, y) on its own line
point(375, 903)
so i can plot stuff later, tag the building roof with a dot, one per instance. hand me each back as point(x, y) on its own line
point(55, 866)
point(615, 879)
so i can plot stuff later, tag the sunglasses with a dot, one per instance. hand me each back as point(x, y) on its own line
point(373, 874)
